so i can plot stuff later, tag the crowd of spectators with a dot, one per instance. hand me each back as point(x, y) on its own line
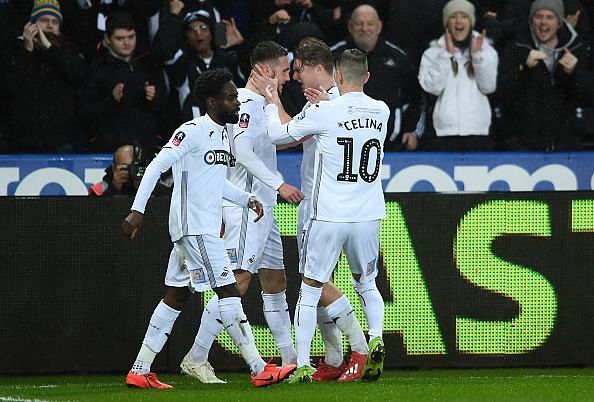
point(461, 75)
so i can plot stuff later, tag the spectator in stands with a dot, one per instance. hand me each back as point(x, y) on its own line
point(123, 176)
point(123, 95)
point(544, 77)
point(271, 18)
point(460, 70)
point(392, 78)
point(43, 71)
point(186, 44)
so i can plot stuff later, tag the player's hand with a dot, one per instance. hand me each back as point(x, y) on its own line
point(118, 92)
point(29, 32)
point(410, 141)
point(261, 80)
point(534, 57)
point(233, 36)
point(121, 175)
point(568, 61)
point(290, 193)
point(257, 207)
point(149, 91)
point(314, 95)
point(132, 223)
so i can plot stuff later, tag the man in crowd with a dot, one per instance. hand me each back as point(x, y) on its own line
point(392, 79)
point(43, 72)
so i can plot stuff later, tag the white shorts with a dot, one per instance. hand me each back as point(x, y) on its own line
point(252, 245)
point(200, 263)
point(325, 240)
point(303, 219)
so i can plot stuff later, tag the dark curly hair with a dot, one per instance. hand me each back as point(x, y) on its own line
point(210, 83)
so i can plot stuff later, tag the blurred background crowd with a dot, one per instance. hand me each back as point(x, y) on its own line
point(88, 76)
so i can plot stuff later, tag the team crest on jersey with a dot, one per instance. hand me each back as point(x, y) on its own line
point(244, 120)
point(219, 157)
point(178, 138)
point(371, 267)
point(197, 276)
point(232, 254)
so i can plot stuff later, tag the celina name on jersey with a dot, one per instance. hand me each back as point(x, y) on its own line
point(356, 124)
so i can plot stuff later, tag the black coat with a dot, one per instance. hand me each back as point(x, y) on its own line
point(110, 124)
point(42, 86)
point(539, 106)
point(392, 80)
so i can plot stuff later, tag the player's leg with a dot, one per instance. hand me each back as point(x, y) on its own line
point(332, 366)
point(274, 285)
point(362, 253)
point(213, 257)
point(160, 325)
point(195, 363)
point(321, 249)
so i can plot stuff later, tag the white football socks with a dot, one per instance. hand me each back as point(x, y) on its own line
point(343, 315)
point(238, 327)
point(332, 338)
point(305, 322)
point(211, 326)
point(156, 335)
point(276, 312)
point(373, 307)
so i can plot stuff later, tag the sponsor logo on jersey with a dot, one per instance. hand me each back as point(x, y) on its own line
point(371, 267)
point(356, 124)
point(244, 120)
point(178, 138)
point(219, 157)
point(197, 275)
point(232, 254)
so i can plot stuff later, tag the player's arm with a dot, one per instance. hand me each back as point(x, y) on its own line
point(243, 199)
point(162, 162)
point(244, 153)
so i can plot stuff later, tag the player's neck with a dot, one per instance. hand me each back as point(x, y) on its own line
point(216, 119)
point(252, 88)
point(327, 82)
point(345, 89)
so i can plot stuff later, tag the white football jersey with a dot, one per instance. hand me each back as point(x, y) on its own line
point(309, 153)
point(252, 123)
point(198, 153)
point(349, 132)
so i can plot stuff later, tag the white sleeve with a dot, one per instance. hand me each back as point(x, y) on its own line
point(244, 154)
point(177, 147)
point(235, 195)
point(434, 70)
point(277, 131)
point(306, 123)
point(485, 67)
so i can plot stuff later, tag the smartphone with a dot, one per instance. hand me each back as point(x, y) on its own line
point(220, 34)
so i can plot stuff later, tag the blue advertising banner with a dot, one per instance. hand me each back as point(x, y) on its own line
point(32, 175)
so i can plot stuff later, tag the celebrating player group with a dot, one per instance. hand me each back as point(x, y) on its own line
point(226, 183)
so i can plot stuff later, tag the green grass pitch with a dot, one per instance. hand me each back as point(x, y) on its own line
point(561, 384)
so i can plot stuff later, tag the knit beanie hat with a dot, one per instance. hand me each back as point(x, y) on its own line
point(556, 6)
point(462, 6)
point(46, 7)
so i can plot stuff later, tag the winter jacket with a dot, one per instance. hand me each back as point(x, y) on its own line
point(109, 123)
point(541, 106)
point(42, 85)
point(462, 107)
point(392, 80)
